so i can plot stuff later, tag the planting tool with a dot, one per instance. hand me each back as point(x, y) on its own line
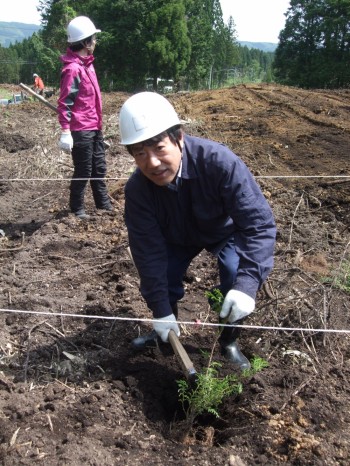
point(39, 97)
point(183, 358)
point(48, 104)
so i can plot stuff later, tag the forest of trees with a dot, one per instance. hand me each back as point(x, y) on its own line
point(187, 41)
point(182, 40)
point(314, 46)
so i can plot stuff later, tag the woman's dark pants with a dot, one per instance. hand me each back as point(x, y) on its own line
point(89, 162)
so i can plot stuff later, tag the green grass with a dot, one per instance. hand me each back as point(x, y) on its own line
point(341, 279)
point(5, 94)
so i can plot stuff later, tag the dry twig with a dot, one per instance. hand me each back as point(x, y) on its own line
point(293, 218)
point(28, 347)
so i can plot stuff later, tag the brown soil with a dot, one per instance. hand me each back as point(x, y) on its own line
point(73, 392)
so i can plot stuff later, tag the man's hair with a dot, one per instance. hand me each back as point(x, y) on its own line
point(77, 46)
point(174, 133)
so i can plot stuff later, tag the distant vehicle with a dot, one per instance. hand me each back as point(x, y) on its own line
point(163, 85)
point(16, 99)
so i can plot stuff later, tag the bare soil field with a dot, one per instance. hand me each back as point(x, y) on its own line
point(74, 392)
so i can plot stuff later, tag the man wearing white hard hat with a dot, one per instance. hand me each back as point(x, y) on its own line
point(186, 195)
point(80, 117)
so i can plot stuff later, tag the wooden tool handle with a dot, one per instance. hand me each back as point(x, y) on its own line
point(179, 350)
point(39, 97)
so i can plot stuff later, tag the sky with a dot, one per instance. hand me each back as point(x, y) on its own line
point(20, 11)
point(255, 20)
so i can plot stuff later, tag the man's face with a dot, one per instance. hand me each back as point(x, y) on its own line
point(160, 161)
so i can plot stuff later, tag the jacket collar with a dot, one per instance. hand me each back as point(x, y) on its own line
point(73, 57)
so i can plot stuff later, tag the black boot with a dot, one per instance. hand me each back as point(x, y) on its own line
point(150, 340)
point(82, 214)
point(230, 348)
point(107, 206)
point(235, 356)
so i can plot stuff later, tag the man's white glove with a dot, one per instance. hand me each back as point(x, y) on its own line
point(163, 326)
point(66, 142)
point(236, 306)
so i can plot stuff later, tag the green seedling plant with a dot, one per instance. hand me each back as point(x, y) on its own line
point(209, 390)
point(208, 393)
point(216, 299)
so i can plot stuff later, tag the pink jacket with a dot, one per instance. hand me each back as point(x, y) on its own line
point(80, 103)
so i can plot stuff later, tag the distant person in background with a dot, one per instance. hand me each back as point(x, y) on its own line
point(80, 117)
point(38, 84)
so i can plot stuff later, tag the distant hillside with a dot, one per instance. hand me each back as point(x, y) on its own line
point(264, 46)
point(15, 32)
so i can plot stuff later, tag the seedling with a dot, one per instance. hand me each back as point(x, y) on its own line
point(216, 299)
point(210, 389)
point(209, 392)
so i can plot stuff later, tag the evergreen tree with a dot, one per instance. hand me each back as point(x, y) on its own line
point(200, 31)
point(167, 43)
point(121, 53)
point(213, 44)
point(10, 65)
point(314, 47)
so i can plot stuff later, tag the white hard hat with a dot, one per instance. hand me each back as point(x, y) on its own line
point(80, 28)
point(34, 75)
point(145, 115)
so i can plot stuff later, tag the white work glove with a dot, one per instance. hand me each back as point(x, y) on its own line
point(163, 328)
point(236, 306)
point(66, 142)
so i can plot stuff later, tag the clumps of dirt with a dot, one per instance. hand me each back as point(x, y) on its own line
point(15, 142)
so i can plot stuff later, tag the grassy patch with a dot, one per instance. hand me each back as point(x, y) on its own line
point(341, 278)
point(5, 94)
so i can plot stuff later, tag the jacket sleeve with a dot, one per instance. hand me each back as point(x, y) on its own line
point(147, 244)
point(255, 229)
point(69, 88)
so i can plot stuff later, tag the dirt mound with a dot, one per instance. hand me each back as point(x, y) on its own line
point(73, 392)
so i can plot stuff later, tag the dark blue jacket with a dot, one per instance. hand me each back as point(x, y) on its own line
point(216, 198)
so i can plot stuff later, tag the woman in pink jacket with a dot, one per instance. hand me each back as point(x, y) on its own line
point(80, 117)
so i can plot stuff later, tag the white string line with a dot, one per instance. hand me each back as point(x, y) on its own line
point(258, 327)
point(197, 324)
point(63, 179)
point(303, 176)
point(126, 178)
